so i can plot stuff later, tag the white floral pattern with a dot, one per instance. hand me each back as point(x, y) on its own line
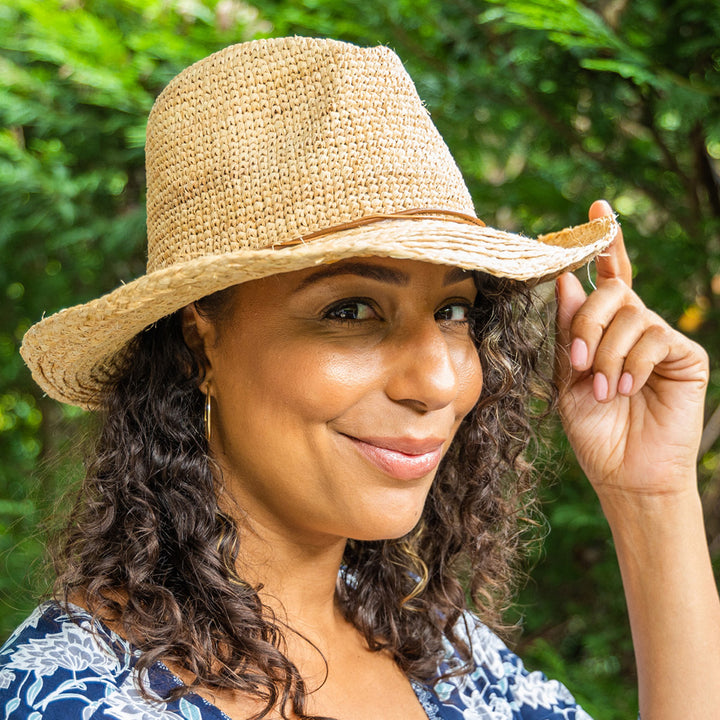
point(73, 648)
point(499, 687)
point(127, 702)
point(62, 665)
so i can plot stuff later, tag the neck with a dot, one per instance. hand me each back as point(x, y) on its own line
point(296, 582)
point(296, 577)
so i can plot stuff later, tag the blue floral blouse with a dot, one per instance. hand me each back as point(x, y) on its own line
point(58, 667)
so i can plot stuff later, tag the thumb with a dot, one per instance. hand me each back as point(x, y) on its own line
point(570, 298)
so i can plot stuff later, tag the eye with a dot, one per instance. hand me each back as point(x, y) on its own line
point(350, 311)
point(454, 313)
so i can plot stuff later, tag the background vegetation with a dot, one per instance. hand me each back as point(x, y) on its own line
point(546, 104)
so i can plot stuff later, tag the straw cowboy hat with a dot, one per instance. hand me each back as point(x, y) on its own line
point(277, 155)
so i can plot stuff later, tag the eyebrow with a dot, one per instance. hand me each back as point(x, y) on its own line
point(381, 273)
point(457, 275)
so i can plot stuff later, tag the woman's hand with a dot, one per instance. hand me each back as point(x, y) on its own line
point(631, 387)
point(631, 399)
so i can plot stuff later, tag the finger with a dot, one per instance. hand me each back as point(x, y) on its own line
point(652, 348)
point(570, 298)
point(613, 262)
point(590, 322)
point(617, 344)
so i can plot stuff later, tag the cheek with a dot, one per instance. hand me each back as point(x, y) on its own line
point(322, 384)
point(327, 383)
point(470, 379)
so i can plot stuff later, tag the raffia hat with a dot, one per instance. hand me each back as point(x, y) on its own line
point(277, 155)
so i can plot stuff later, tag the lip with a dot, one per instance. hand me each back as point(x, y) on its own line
point(401, 457)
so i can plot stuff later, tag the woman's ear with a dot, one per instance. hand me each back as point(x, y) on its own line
point(199, 334)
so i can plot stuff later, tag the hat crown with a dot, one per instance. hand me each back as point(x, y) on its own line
point(265, 142)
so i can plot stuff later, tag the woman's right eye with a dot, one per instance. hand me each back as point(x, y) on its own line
point(350, 311)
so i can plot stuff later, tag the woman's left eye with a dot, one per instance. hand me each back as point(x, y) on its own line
point(455, 312)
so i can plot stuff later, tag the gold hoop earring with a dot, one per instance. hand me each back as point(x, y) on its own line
point(207, 415)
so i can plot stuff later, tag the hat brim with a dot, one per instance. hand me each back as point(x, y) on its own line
point(72, 353)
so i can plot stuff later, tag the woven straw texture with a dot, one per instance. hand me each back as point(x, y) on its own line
point(276, 155)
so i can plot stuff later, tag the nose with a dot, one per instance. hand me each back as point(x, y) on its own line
point(426, 368)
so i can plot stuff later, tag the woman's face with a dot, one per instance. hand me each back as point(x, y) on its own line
point(337, 390)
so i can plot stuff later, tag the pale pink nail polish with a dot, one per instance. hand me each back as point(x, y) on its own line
point(578, 353)
point(625, 385)
point(600, 387)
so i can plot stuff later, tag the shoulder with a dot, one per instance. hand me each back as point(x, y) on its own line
point(496, 681)
point(60, 663)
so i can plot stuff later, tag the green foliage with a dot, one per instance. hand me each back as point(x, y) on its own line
point(78, 81)
point(546, 104)
point(572, 610)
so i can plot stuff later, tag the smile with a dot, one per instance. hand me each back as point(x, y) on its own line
point(401, 458)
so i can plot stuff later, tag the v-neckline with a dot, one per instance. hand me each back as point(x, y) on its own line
point(162, 679)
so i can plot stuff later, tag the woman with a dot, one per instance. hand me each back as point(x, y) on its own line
point(314, 411)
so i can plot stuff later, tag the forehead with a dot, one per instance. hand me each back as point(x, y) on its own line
point(386, 270)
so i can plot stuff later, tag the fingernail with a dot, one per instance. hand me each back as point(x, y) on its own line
point(578, 354)
point(600, 387)
point(625, 384)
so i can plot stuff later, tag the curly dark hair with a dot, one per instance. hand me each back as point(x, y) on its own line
point(148, 548)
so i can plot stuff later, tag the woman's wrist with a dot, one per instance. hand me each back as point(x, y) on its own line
point(671, 597)
point(636, 514)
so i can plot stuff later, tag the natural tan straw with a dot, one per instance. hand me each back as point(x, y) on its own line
point(281, 154)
